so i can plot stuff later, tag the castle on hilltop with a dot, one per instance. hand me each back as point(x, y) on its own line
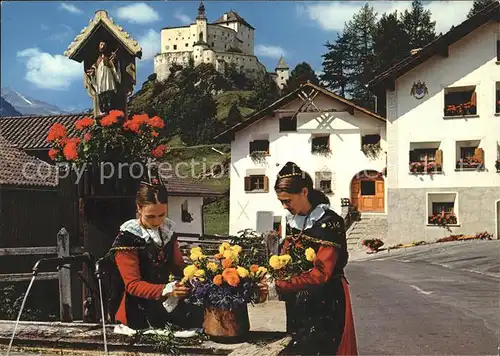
point(228, 40)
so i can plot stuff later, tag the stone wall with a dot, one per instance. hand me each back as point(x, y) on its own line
point(408, 212)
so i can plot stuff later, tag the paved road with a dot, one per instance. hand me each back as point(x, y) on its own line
point(430, 300)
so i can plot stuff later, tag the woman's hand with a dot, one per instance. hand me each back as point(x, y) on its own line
point(180, 291)
point(263, 291)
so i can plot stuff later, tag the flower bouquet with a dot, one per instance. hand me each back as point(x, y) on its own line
point(224, 284)
point(299, 258)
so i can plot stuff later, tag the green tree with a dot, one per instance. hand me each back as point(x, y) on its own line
point(233, 116)
point(418, 26)
point(391, 42)
point(335, 76)
point(302, 73)
point(266, 92)
point(478, 6)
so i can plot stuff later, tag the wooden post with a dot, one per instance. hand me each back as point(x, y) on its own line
point(65, 308)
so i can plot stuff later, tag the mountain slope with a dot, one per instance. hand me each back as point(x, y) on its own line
point(6, 109)
point(29, 106)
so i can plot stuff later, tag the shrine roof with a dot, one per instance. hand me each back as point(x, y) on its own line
point(101, 18)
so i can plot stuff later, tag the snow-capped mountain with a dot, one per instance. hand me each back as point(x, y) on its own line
point(6, 109)
point(29, 106)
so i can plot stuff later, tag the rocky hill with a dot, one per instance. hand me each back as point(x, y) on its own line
point(6, 109)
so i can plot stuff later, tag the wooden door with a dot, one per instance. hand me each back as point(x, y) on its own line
point(367, 194)
point(355, 191)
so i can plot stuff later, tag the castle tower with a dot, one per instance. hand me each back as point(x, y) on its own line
point(201, 24)
point(282, 72)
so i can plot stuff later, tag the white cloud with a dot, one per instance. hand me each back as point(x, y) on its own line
point(150, 43)
point(269, 51)
point(139, 13)
point(70, 8)
point(49, 71)
point(332, 16)
point(182, 17)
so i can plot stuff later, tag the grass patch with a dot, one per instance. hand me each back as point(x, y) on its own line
point(216, 217)
point(226, 100)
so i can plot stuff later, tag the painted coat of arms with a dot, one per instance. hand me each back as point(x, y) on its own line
point(419, 90)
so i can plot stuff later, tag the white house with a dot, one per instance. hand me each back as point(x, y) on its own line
point(324, 134)
point(443, 112)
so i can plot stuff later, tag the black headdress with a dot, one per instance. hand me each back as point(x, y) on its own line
point(154, 180)
point(290, 169)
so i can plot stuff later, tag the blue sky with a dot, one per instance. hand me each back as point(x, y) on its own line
point(32, 49)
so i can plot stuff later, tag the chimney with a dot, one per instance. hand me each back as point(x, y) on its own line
point(415, 50)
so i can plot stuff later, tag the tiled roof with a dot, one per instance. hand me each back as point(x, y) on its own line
point(189, 187)
point(30, 132)
point(232, 16)
point(20, 169)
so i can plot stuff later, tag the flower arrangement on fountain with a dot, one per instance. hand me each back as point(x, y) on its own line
point(228, 280)
point(111, 138)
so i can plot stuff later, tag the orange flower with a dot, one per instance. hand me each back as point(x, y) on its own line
point(109, 120)
point(83, 123)
point(53, 153)
point(140, 118)
point(226, 263)
point(159, 151)
point(56, 131)
point(71, 149)
point(131, 125)
point(116, 113)
point(230, 275)
point(218, 280)
point(254, 268)
point(87, 137)
point(156, 122)
point(218, 256)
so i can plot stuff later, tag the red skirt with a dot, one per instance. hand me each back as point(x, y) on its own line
point(348, 344)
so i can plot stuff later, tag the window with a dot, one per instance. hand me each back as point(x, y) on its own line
point(425, 158)
point(259, 183)
point(469, 155)
point(187, 44)
point(498, 50)
point(325, 186)
point(367, 187)
point(175, 46)
point(370, 140)
point(185, 214)
point(320, 144)
point(442, 209)
point(288, 123)
point(259, 146)
point(460, 101)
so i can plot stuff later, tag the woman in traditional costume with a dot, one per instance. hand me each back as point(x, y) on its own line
point(318, 303)
point(147, 256)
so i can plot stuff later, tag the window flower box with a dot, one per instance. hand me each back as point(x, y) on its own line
point(460, 109)
point(321, 150)
point(442, 219)
point(423, 167)
point(469, 163)
point(258, 156)
point(371, 150)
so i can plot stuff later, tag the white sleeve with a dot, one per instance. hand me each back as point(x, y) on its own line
point(171, 301)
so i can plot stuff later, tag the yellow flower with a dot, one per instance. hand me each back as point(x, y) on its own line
point(230, 254)
point(236, 249)
point(196, 249)
point(212, 266)
point(223, 247)
point(275, 262)
point(310, 254)
point(261, 271)
point(184, 280)
point(285, 259)
point(242, 272)
point(199, 273)
point(196, 255)
point(171, 277)
point(189, 271)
